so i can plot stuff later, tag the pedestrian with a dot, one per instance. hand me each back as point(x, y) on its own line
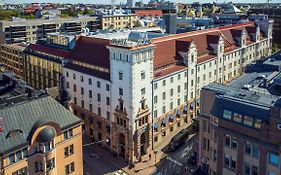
point(149, 156)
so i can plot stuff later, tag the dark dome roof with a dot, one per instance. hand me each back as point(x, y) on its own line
point(46, 135)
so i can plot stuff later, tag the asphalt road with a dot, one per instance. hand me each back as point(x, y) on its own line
point(176, 162)
point(98, 161)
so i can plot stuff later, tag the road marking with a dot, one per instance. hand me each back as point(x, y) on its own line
point(176, 162)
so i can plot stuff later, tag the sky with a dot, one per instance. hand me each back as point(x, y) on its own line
point(124, 1)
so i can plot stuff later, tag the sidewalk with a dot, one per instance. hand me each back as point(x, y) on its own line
point(147, 166)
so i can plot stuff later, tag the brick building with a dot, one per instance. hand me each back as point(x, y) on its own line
point(240, 122)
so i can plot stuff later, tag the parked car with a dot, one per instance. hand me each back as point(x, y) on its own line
point(192, 158)
point(178, 139)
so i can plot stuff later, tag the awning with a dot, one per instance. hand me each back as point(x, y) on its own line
point(163, 122)
point(192, 106)
point(155, 125)
point(178, 112)
point(171, 118)
point(185, 109)
point(197, 102)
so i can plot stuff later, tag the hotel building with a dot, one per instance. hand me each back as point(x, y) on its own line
point(240, 122)
point(138, 93)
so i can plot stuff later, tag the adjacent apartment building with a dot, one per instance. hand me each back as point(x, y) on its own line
point(118, 21)
point(31, 30)
point(38, 135)
point(136, 93)
point(240, 122)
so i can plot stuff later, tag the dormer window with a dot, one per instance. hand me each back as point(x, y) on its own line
point(192, 58)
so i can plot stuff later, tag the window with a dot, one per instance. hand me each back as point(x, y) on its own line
point(90, 81)
point(107, 87)
point(172, 79)
point(164, 109)
point(234, 143)
point(120, 75)
point(255, 151)
point(273, 158)
point(226, 161)
point(248, 148)
point(120, 91)
point(18, 156)
point(171, 106)
point(237, 117)
point(257, 123)
point(254, 170)
point(164, 95)
point(155, 99)
point(248, 121)
point(227, 114)
point(247, 169)
point(99, 97)
point(179, 89)
point(99, 111)
point(25, 153)
point(227, 140)
point(74, 76)
point(81, 78)
point(12, 158)
point(82, 103)
point(74, 87)
point(179, 76)
point(107, 115)
point(38, 166)
point(179, 101)
point(22, 171)
point(142, 75)
point(164, 82)
point(67, 75)
point(233, 163)
point(143, 91)
point(50, 164)
point(82, 91)
point(98, 84)
point(107, 101)
point(90, 107)
point(67, 134)
point(75, 100)
point(67, 85)
point(90, 94)
point(171, 92)
point(155, 85)
point(155, 113)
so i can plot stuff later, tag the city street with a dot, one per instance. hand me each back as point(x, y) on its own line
point(176, 162)
point(99, 161)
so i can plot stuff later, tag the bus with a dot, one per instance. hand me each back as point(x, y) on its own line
point(178, 139)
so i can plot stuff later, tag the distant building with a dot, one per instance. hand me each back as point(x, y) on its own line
point(130, 3)
point(275, 14)
point(118, 21)
point(13, 59)
point(40, 136)
point(32, 30)
point(240, 123)
point(149, 13)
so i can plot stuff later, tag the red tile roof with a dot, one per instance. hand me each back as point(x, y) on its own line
point(91, 51)
point(168, 70)
point(148, 13)
point(49, 50)
point(168, 47)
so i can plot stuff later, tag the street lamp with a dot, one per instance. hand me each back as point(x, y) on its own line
point(155, 152)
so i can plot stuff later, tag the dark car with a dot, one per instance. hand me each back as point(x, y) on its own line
point(192, 158)
point(178, 139)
